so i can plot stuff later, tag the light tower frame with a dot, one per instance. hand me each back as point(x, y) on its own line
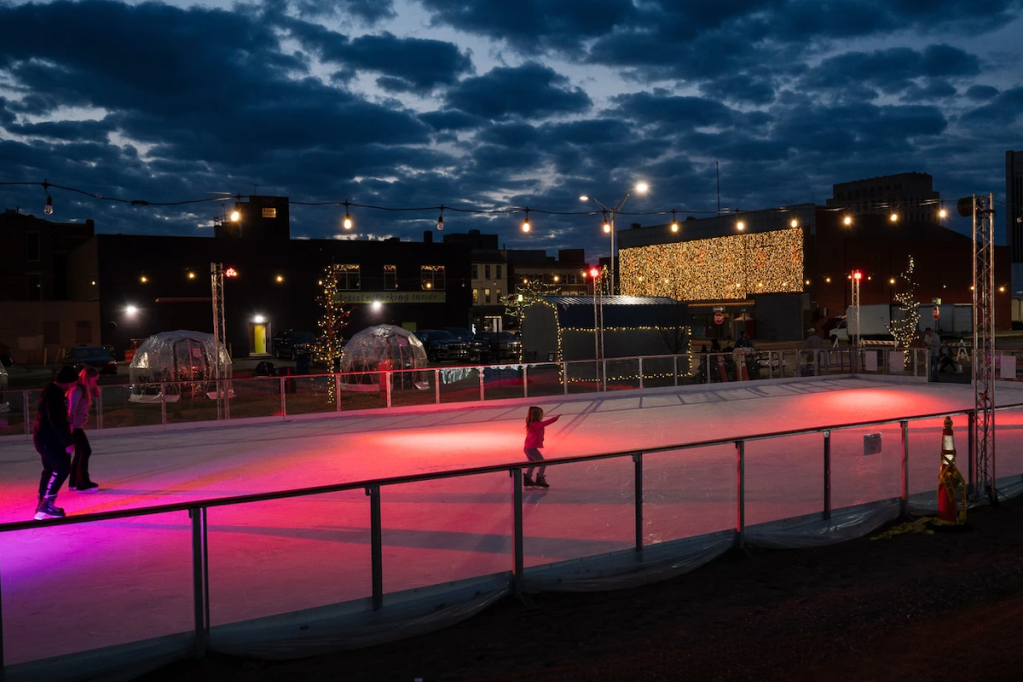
point(982, 466)
point(219, 340)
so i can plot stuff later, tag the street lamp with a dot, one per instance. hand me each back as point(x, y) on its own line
point(609, 222)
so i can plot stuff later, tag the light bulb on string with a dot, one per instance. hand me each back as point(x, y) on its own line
point(607, 224)
point(942, 213)
point(674, 223)
point(847, 220)
point(49, 205)
point(525, 222)
point(440, 220)
point(740, 226)
point(348, 218)
point(794, 223)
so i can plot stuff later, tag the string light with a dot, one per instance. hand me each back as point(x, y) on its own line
point(794, 223)
point(333, 320)
point(607, 225)
point(191, 275)
point(674, 223)
point(347, 224)
point(440, 220)
point(710, 269)
point(49, 205)
point(942, 213)
point(740, 226)
point(525, 222)
point(280, 278)
point(847, 220)
point(236, 214)
point(143, 279)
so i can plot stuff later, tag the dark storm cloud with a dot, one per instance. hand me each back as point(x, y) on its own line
point(451, 119)
point(741, 88)
point(65, 130)
point(529, 90)
point(890, 71)
point(407, 64)
point(1005, 109)
point(370, 11)
point(979, 93)
point(672, 110)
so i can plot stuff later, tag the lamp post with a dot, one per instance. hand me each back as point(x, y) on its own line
point(609, 225)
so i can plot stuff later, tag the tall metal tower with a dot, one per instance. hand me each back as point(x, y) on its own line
point(982, 209)
point(220, 341)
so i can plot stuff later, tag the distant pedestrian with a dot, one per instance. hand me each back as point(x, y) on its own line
point(715, 346)
point(933, 344)
point(813, 346)
point(535, 425)
point(52, 439)
point(79, 402)
point(744, 341)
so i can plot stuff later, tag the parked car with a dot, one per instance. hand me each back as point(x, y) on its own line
point(441, 344)
point(461, 333)
point(92, 356)
point(265, 368)
point(490, 346)
point(288, 344)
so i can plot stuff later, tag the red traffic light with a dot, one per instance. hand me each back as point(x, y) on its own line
point(857, 275)
point(594, 273)
point(230, 272)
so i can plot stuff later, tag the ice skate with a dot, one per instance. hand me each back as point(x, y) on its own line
point(87, 487)
point(541, 482)
point(527, 481)
point(46, 509)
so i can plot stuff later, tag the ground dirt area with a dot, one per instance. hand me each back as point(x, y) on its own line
point(912, 607)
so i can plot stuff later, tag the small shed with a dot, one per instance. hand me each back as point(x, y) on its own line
point(565, 328)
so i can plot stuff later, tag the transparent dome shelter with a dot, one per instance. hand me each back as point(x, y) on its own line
point(180, 363)
point(378, 349)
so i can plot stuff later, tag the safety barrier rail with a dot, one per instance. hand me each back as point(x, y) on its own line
point(162, 403)
point(197, 510)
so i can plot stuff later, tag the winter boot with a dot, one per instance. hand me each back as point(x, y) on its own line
point(46, 509)
point(87, 487)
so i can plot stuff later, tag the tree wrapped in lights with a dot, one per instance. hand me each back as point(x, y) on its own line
point(904, 330)
point(332, 321)
point(526, 295)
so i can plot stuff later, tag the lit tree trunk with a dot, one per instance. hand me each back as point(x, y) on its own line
point(904, 330)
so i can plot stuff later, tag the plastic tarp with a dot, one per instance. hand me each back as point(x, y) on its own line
point(814, 530)
point(379, 349)
point(186, 358)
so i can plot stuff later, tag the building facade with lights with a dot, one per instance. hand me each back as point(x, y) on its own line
point(911, 196)
point(789, 269)
point(1014, 229)
point(165, 282)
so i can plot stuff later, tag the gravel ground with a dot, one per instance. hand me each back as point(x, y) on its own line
point(912, 607)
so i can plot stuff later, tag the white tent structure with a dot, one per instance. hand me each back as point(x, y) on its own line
point(180, 364)
point(381, 348)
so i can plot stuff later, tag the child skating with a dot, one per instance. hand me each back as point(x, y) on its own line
point(535, 425)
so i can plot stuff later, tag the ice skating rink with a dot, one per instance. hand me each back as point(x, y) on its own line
point(87, 586)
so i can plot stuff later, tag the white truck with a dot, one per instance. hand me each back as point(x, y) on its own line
point(874, 320)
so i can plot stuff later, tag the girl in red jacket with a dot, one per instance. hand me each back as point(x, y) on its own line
point(534, 441)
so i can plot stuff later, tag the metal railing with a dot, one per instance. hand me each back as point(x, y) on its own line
point(162, 403)
point(197, 510)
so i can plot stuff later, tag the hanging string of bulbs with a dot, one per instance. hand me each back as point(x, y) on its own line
point(348, 222)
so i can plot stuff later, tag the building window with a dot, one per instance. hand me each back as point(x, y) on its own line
point(475, 271)
point(475, 296)
point(83, 331)
point(570, 278)
point(390, 277)
point(348, 278)
point(32, 246)
point(486, 295)
point(51, 332)
point(432, 277)
point(35, 287)
point(499, 272)
point(497, 295)
point(486, 271)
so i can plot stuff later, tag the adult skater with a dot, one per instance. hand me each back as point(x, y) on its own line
point(52, 439)
point(79, 401)
point(534, 441)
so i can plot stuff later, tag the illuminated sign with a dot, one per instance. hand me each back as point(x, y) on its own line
point(269, 212)
point(390, 296)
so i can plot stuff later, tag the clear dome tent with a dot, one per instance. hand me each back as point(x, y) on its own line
point(180, 362)
point(377, 349)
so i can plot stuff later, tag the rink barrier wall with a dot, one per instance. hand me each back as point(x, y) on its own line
point(161, 406)
point(828, 525)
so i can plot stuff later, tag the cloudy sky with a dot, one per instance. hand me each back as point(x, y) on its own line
point(485, 104)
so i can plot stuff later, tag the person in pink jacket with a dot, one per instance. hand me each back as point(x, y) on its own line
point(534, 441)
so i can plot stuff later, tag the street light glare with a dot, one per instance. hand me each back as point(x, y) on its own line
point(642, 187)
point(583, 197)
point(131, 310)
point(847, 220)
point(235, 216)
point(740, 226)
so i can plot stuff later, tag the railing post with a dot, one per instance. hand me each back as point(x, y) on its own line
point(337, 391)
point(389, 378)
point(482, 370)
point(199, 576)
point(163, 403)
point(675, 370)
point(740, 493)
point(26, 410)
point(436, 386)
point(708, 368)
point(525, 381)
point(284, 402)
point(564, 374)
point(518, 559)
point(904, 495)
point(603, 370)
point(827, 474)
point(376, 541)
point(641, 372)
point(637, 460)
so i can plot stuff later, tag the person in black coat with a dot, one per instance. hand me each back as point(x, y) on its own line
point(52, 439)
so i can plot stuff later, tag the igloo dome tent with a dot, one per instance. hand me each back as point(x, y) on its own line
point(377, 349)
point(185, 358)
